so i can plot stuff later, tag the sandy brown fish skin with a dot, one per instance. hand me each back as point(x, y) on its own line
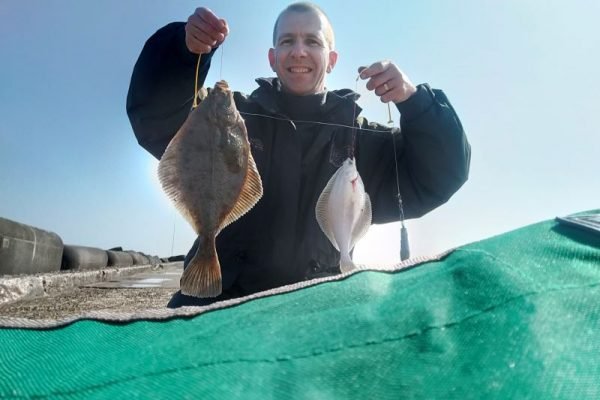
point(205, 171)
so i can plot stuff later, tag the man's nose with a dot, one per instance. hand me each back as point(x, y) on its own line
point(298, 50)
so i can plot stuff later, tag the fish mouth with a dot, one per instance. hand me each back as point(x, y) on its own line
point(221, 104)
point(222, 85)
point(222, 91)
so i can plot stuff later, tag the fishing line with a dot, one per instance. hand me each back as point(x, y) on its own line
point(313, 122)
point(221, 69)
point(173, 237)
point(196, 95)
point(404, 246)
point(353, 145)
point(404, 249)
point(195, 104)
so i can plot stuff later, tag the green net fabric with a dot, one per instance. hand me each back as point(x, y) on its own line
point(511, 317)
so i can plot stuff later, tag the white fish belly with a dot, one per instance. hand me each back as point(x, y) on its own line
point(344, 209)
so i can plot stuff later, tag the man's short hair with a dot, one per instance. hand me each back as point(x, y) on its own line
point(307, 7)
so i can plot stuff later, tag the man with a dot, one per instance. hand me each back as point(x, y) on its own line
point(279, 241)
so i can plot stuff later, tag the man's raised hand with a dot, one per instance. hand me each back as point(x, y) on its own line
point(204, 31)
point(388, 81)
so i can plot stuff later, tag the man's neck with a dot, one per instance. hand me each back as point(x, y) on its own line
point(306, 107)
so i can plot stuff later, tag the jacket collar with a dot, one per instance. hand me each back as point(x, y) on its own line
point(340, 105)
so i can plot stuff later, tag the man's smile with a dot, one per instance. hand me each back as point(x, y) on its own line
point(299, 70)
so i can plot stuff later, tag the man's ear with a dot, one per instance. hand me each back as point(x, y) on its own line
point(333, 56)
point(272, 58)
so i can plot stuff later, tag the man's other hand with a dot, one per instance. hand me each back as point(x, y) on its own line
point(389, 83)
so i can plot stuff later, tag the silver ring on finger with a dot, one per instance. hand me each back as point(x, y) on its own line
point(386, 87)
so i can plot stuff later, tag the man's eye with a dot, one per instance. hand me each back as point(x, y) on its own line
point(285, 42)
point(313, 42)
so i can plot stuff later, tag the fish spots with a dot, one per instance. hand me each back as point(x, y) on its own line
point(235, 154)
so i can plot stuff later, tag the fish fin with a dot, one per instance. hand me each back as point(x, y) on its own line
point(170, 181)
point(250, 194)
point(202, 276)
point(321, 211)
point(363, 224)
point(346, 263)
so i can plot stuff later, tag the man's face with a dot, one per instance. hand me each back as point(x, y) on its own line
point(302, 56)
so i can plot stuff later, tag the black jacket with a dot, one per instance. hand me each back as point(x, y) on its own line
point(279, 241)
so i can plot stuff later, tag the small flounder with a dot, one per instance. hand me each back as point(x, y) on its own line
point(344, 211)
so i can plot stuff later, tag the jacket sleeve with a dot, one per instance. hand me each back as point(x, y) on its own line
point(162, 87)
point(432, 152)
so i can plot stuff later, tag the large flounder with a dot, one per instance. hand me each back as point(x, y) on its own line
point(344, 211)
point(209, 173)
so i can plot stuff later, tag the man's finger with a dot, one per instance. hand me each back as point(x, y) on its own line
point(211, 19)
point(196, 45)
point(386, 87)
point(212, 35)
point(226, 27)
point(391, 95)
point(197, 41)
point(198, 23)
point(371, 70)
point(202, 36)
point(379, 79)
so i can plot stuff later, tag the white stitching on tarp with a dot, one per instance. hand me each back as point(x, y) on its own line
point(190, 311)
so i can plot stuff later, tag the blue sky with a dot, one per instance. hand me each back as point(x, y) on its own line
point(522, 75)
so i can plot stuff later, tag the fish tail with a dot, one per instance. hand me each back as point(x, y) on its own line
point(346, 263)
point(202, 277)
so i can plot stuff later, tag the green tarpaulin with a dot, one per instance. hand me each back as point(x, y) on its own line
point(512, 317)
